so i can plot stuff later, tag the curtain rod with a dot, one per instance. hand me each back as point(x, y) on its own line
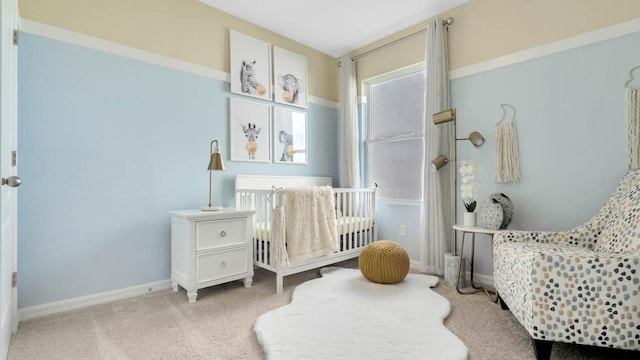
point(446, 22)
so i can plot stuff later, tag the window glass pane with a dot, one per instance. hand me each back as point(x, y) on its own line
point(397, 106)
point(397, 169)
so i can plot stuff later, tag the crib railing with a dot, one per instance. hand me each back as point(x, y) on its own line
point(355, 213)
point(263, 203)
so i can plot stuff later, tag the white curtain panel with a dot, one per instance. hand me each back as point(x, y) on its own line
point(436, 232)
point(349, 135)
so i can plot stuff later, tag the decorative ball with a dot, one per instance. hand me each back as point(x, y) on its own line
point(261, 89)
point(290, 150)
point(287, 96)
point(251, 147)
point(490, 214)
point(507, 208)
point(384, 262)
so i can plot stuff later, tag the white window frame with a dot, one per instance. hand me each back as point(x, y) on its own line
point(369, 83)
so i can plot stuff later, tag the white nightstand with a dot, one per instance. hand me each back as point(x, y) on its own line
point(210, 248)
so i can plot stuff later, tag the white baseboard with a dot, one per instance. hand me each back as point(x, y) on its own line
point(414, 265)
point(484, 279)
point(6, 327)
point(89, 300)
point(95, 299)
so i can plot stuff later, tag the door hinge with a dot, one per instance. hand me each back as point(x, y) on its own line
point(14, 158)
point(15, 36)
point(14, 279)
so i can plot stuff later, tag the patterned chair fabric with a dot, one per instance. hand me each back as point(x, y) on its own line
point(579, 286)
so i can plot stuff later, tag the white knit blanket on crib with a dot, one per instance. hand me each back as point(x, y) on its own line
point(310, 223)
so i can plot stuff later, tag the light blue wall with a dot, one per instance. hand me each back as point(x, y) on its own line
point(109, 145)
point(570, 120)
point(571, 116)
point(391, 215)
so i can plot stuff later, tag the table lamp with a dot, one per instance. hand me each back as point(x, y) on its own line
point(216, 163)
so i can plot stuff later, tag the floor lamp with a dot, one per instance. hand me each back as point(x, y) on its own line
point(216, 163)
point(474, 137)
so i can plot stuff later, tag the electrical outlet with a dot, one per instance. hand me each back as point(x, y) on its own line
point(403, 230)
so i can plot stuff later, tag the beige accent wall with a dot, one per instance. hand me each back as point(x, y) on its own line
point(403, 54)
point(486, 29)
point(191, 31)
point(183, 29)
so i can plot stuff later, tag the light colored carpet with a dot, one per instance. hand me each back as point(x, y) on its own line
point(344, 316)
point(220, 324)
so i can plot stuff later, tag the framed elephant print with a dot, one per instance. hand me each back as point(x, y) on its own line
point(289, 136)
point(249, 131)
point(290, 78)
point(250, 66)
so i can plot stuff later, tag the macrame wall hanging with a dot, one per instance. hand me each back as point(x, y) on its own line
point(633, 123)
point(507, 159)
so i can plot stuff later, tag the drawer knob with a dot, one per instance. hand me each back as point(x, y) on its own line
point(223, 233)
point(223, 264)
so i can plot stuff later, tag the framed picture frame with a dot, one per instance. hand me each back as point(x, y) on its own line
point(290, 136)
point(249, 131)
point(290, 78)
point(250, 66)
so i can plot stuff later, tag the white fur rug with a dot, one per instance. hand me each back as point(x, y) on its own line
point(344, 316)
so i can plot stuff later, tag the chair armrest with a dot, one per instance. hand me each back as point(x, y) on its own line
point(596, 291)
point(580, 237)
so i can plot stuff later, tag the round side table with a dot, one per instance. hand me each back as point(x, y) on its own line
point(473, 230)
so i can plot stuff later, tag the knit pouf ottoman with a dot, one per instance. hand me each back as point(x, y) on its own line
point(384, 262)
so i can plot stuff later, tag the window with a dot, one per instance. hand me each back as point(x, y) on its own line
point(395, 136)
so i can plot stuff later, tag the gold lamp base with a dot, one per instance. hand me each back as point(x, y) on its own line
point(215, 163)
point(212, 208)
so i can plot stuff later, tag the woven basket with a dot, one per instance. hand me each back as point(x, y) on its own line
point(384, 262)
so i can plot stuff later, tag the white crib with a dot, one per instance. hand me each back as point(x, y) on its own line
point(355, 211)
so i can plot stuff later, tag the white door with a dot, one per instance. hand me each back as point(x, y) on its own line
point(8, 171)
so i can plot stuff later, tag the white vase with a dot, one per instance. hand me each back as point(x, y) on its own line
point(451, 268)
point(469, 219)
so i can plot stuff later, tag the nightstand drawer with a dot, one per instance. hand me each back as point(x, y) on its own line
point(217, 265)
point(220, 233)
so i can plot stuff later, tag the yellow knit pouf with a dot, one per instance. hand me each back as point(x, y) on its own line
point(384, 262)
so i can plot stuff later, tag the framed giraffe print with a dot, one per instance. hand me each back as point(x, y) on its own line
point(249, 131)
point(250, 66)
point(290, 78)
point(289, 136)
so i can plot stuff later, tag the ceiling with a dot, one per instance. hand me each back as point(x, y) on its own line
point(334, 27)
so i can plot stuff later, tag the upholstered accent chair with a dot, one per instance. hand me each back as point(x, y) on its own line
point(579, 286)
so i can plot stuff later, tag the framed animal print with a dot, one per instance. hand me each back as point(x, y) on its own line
point(250, 66)
point(289, 136)
point(249, 131)
point(290, 78)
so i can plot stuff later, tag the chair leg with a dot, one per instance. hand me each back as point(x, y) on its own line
point(542, 349)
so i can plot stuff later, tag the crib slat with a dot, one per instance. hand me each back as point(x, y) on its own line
point(367, 232)
point(351, 223)
point(264, 251)
point(257, 229)
point(345, 223)
point(358, 226)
